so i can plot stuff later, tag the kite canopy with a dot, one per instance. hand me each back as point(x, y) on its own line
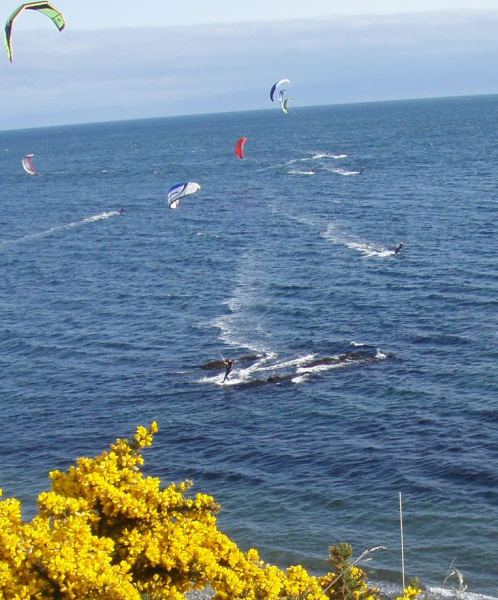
point(239, 147)
point(46, 8)
point(275, 86)
point(27, 164)
point(179, 191)
point(284, 105)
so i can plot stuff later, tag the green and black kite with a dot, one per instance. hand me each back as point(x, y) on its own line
point(46, 8)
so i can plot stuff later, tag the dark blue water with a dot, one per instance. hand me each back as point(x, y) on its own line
point(285, 257)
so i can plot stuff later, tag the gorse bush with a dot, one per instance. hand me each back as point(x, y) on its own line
point(105, 531)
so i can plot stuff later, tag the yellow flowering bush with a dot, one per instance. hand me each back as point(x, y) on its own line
point(107, 531)
point(411, 592)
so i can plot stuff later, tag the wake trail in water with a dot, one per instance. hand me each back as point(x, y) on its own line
point(243, 326)
point(303, 220)
point(319, 155)
point(299, 172)
point(315, 155)
point(57, 228)
point(343, 172)
point(368, 249)
point(266, 369)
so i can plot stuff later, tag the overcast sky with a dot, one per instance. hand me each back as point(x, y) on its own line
point(112, 64)
point(104, 14)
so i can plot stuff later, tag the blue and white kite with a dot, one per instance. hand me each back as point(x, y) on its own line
point(275, 86)
point(179, 191)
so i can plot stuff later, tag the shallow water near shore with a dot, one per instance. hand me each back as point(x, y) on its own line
point(358, 374)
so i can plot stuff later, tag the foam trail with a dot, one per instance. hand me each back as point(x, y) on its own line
point(52, 230)
point(238, 376)
point(367, 249)
point(298, 172)
point(320, 368)
point(300, 219)
point(344, 172)
point(314, 156)
point(296, 362)
point(319, 155)
point(275, 166)
point(242, 327)
point(300, 379)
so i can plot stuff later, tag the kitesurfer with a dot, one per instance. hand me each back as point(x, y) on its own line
point(398, 248)
point(229, 364)
point(121, 211)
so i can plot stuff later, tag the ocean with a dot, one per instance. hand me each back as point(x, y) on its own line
point(358, 374)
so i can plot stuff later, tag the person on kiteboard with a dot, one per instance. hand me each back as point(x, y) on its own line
point(229, 364)
point(398, 248)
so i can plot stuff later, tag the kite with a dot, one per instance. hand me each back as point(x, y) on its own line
point(275, 86)
point(27, 164)
point(45, 8)
point(239, 147)
point(179, 191)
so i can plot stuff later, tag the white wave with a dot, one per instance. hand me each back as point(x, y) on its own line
point(243, 375)
point(262, 365)
point(366, 248)
point(295, 362)
point(314, 156)
point(344, 172)
point(300, 379)
point(57, 228)
point(319, 155)
point(390, 590)
point(267, 363)
point(104, 215)
point(369, 250)
point(320, 368)
point(298, 172)
point(239, 375)
point(357, 344)
point(451, 593)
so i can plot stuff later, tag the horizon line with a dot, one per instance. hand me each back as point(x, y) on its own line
point(230, 112)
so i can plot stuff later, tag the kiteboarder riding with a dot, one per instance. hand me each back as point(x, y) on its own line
point(229, 364)
point(398, 248)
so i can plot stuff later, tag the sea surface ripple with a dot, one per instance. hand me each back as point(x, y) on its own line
point(365, 374)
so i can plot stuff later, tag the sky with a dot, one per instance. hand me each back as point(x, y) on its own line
point(115, 62)
point(104, 14)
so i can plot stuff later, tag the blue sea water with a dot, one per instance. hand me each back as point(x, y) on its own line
point(284, 258)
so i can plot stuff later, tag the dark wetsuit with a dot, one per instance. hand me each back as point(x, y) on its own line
point(398, 248)
point(229, 364)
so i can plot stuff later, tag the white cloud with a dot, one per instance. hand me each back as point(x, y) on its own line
point(131, 73)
